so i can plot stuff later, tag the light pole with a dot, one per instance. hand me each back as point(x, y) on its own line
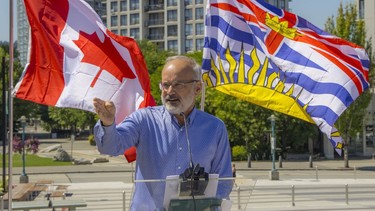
point(23, 178)
point(274, 174)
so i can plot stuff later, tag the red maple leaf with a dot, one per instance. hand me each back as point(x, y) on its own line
point(104, 55)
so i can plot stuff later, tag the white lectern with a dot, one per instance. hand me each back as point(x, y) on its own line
point(178, 194)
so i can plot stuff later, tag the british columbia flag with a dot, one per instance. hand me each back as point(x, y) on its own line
point(275, 59)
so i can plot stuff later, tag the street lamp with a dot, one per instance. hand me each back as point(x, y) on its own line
point(23, 178)
point(274, 174)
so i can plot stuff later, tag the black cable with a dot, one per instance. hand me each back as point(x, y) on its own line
point(191, 161)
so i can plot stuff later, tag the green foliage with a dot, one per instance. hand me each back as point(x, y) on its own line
point(239, 153)
point(91, 140)
point(70, 118)
point(155, 58)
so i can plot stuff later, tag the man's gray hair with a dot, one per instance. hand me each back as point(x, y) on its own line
point(196, 67)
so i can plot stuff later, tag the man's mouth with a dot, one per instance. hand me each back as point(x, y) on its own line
point(172, 99)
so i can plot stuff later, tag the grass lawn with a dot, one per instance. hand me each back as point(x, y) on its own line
point(34, 160)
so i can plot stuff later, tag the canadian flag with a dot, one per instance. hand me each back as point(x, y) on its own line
point(73, 58)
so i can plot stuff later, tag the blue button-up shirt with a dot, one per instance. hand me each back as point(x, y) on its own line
point(162, 149)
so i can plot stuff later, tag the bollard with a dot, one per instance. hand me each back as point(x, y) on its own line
point(347, 194)
point(1, 203)
point(355, 172)
point(310, 161)
point(316, 173)
point(249, 160)
point(239, 197)
point(293, 204)
point(124, 200)
point(280, 161)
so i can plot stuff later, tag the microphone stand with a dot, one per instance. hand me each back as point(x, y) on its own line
point(195, 173)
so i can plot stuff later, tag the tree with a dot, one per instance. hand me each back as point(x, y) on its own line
point(349, 27)
point(70, 118)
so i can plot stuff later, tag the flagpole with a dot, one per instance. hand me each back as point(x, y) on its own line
point(203, 93)
point(10, 138)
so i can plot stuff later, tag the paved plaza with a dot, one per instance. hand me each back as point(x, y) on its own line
point(325, 186)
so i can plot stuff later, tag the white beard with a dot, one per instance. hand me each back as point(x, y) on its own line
point(182, 106)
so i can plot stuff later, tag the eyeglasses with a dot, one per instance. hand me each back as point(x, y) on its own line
point(176, 86)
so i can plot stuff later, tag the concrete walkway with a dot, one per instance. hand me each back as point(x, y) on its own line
point(338, 191)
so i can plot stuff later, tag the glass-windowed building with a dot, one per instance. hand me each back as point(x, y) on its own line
point(174, 25)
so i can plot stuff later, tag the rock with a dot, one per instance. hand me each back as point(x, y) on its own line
point(50, 148)
point(81, 161)
point(61, 155)
point(100, 160)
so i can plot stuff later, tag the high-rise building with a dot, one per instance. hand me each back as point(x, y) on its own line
point(173, 25)
point(22, 32)
point(366, 11)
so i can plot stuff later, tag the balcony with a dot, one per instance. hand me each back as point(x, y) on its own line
point(154, 22)
point(154, 7)
point(155, 37)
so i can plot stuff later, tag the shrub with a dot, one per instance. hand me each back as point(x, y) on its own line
point(239, 153)
point(92, 140)
point(31, 144)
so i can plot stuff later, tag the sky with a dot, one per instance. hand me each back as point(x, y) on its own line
point(315, 11)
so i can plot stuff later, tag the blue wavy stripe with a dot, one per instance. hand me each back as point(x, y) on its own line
point(323, 112)
point(231, 31)
point(315, 87)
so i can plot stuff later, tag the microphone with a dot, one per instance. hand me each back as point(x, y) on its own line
point(195, 173)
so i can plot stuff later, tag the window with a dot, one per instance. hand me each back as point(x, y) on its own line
point(134, 33)
point(188, 2)
point(123, 20)
point(114, 31)
point(134, 4)
point(199, 13)
point(172, 45)
point(282, 4)
point(172, 3)
point(199, 29)
point(124, 32)
point(172, 30)
point(361, 9)
point(156, 19)
point(188, 45)
point(123, 6)
point(198, 1)
point(199, 44)
point(114, 21)
point(188, 29)
point(134, 19)
point(156, 33)
point(172, 15)
point(188, 14)
point(114, 6)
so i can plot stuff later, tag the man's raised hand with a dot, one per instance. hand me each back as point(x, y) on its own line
point(106, 111)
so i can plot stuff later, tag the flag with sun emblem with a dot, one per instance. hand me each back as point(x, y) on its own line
point(275, 59)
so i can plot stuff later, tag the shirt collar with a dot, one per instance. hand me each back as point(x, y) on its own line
point(189, 119)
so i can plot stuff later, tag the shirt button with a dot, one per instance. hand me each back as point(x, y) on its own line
point(181, 130)
point(179, 167)
point(180, 148)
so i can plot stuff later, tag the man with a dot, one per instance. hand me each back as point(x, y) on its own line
point(160, 137)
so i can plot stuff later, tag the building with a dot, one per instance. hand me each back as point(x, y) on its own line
point(22, 32)
point(173, 25)
point(366, 11)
